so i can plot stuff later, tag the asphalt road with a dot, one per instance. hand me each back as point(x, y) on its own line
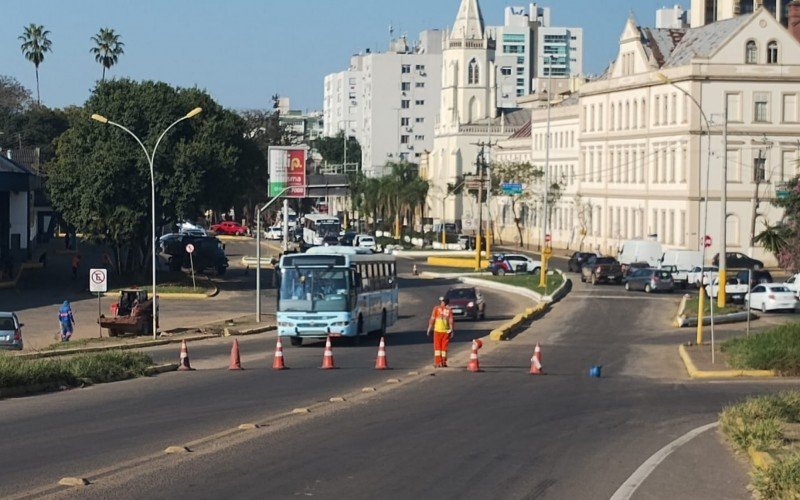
point(502, 433)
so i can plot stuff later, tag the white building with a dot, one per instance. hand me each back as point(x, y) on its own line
point(672, 18)
point(387, 101)
point(708, 11)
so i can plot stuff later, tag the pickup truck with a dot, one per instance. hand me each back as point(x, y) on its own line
point(679, 277)
point(596, 269)
point(735, 290)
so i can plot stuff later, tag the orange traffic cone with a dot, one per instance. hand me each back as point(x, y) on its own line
point(473, 364)
point(184, 359)
point(327, 357)
point(380, 361)
point(235, 363)
point(277, 363)
point(536, 360)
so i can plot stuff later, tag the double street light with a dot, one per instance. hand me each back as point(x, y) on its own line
point(150, 157)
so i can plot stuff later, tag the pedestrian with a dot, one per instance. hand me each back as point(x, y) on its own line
point(442, 323)
point(66, 320)
point(76, 263)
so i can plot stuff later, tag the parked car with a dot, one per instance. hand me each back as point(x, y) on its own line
point(274, 233)
point(229, 227)
point(10, 331)
point(597, 269)
point(650, 280)
point(577, 259)
point(709, 273)
point(366, 241)
point(735, 290)
point(771, 297)
point(466, 302)
point(736, 260)
point(793, 284)
point(628, 269)
point(513, 263)
point(209, 252)
point(756, 277)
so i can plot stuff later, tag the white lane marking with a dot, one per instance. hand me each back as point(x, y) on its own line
point(626, 297)
point(629, 487)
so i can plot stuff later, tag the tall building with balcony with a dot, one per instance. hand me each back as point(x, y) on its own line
point(387, 101)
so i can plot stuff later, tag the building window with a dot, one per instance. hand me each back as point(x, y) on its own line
point(505, 71)
point(772, 52)
point(419, 137)
point(405, 68)
point(405, 104)
point(419, 102)
point(420, 67)
point(419, 120)
point(790, 108)
point(656, 110)
point(420, 85)
point(404, 86)
point(473, 75)
point(751, 53)
point(403, 139)
point(761, 107)
point(404, 122)
point(734, 107)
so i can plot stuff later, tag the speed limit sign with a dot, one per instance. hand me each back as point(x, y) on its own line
point(189, 248)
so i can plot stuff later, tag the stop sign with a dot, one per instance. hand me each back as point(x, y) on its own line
point(707, 241)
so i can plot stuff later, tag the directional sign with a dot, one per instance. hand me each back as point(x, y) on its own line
point(189, 248)
point(707, 241)
point(511, 188)
point(781, 194)
point(98, 280)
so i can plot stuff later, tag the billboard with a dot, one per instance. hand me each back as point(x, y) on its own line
point(287, 169)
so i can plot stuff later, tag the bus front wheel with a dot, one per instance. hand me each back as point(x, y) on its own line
point(360, 326)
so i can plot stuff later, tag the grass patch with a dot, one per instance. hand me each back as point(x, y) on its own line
point(529, 281)
point(691, 308)
point(101, 367)
point(775, 349)
point(759, 423)
point(166, 282)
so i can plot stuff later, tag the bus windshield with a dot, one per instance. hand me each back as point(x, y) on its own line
point(324, 228)
point(314, 290)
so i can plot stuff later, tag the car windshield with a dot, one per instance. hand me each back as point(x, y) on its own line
point(461, 293)
point(7, 324)
point(314, 290)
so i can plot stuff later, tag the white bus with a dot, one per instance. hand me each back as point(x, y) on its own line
point(337, 291)
point(317, 226)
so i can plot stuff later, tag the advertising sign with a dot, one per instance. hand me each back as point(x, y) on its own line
point(287, 169)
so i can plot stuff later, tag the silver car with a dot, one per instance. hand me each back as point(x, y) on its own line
point(650, 280)
point(10, 331)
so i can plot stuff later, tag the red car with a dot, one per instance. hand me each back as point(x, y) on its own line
point(229, 227)
point(466, 302)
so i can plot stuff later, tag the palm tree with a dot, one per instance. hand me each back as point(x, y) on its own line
point(34, 44)
point(107, 49)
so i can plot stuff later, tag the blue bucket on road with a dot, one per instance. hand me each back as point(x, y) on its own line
point(594, 371)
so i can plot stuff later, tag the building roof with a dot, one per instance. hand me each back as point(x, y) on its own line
point(8, 166)
point(702, 41)
point(523, 133)
point(469, 21)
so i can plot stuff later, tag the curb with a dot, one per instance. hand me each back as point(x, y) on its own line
point(718, 320)
point(693, 372)
point(228, 237)
point(155, 370)
point(457, 262)
point(124, 347)
point(557, 294)
point(504, 331)
point(227, 332)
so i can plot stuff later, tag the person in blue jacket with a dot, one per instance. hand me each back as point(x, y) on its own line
point(67, 320)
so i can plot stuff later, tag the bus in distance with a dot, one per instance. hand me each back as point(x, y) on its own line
point(337, 291)
point(317, 226)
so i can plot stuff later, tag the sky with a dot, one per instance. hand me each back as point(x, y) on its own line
point(244, 51)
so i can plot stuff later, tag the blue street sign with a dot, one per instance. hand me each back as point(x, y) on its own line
point(511, 188)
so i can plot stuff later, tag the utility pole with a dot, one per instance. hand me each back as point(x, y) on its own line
point(723, 243)
point(759, 176)
point(546, 208)
point(481, 165)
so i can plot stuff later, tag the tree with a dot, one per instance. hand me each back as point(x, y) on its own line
point(100, 179)
point(39, 126)
point(34, 45)
point(332, 148)
point(107, 49)
point(783, 238)
point(519, 173)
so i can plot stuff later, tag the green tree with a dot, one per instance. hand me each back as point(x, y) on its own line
point(107, 49)
point(783, 238)
point(100, 179)
point(34, 45)
point(519, 173)
point(332, 149)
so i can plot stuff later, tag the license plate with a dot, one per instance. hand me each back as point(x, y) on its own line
point(5, 337)
point(458, 311)
point(737, 297)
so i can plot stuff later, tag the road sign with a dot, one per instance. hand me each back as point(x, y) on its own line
point(98, 280)
point(189, 248)
point(707, 241)
point(511, 188)
point(781, 194)
point(547, 238)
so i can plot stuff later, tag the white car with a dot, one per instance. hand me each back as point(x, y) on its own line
point(710, 274)
point(365, 241)
point(274, 233)
point(522, 262)
point(793, 284)
point(770, 297)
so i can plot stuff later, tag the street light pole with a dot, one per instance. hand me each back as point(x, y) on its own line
point(150, 159)
point(546, 208)
point(723, 239)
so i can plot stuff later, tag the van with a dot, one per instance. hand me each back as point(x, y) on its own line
point(683, 260)
point(641, 251)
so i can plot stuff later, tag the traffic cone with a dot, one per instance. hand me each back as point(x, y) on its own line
point(184, 359)
point(327, 357)
point(235, 363)
point(380, 361)
point(536, 360)
point(277, 363)
point(473, 364)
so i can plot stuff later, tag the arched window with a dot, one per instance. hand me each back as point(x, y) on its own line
point(474, 73)
point(751, 52)
point(772, 52)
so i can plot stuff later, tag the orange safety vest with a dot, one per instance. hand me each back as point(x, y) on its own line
point(442, 319)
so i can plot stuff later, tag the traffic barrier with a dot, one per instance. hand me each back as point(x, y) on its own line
point(380, 361)
point(327, 356)
point(236, 363)
point(474, 365)
point(278, 363)
point(536, 360)
point(184, 359)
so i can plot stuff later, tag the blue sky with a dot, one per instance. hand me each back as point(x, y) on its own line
point(243, 51)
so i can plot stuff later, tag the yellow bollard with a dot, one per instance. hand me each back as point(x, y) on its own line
point(489, 244)
point(543, 270)
point(701, 303)
point(478, 252)
point(722, 296)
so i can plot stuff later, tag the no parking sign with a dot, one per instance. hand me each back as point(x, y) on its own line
point(98, 280)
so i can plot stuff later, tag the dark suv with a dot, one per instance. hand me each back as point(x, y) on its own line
point(597, 269)
point(756, 277)
point(576, 261)
point(736, 260)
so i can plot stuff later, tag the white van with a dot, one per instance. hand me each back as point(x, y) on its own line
point(641, 251)
point(681, 262)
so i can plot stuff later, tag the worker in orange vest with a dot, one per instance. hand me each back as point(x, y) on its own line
point(442, 323)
